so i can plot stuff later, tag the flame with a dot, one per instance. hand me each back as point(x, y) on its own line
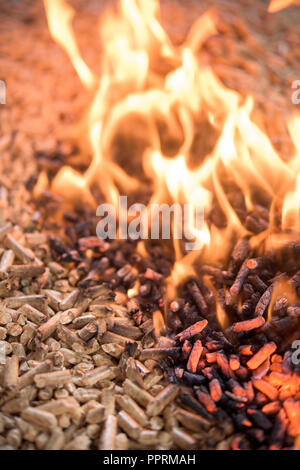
point(158, 323)
point(160, 94)
point(60, 16)
point(277, 5)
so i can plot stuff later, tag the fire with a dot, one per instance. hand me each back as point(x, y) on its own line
point(158, 93)
point(158, 323)
point(60, 16)
point(277, 5)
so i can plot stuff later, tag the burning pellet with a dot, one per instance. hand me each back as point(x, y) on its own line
point(53, 379)
point(239, 280)
point(294, 311)
point(237, 389)
point(281, 305)
point(240, 251)
point(248, 325)
point(11, 371)
point(234, 362)
point(183, 440)
point(192, 330)
point(279, 430)
point(130, 406)
point(129, 425)
point(215, 390)
point(250, 391)
point(271, 408)
point(141, 396)
point(195, 357)
point(262, 370)
point(156, 406)
point(292, 409)
point(198, 297)
point(223, 363)
point(256, 263)
point(108, 435)
point(28, 377)
point(259, 419)
point(235, 397)
point(264, 301)
point(246, 350)
point(211, 357)
point(39, 417)
point(186, 349)
point(242, 421)
point(257, 283)
point(264, 353)
point(205, 399)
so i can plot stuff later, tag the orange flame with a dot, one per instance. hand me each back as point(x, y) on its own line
point(277, 5)
point(149, 83)
point(158, 323)
point(60, 16)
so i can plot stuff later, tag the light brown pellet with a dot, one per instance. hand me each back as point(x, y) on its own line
point(39, 417)
point(129, 425)
point(132, 408)
point(11, 372)
point(53, 379)
point(108, 435)
point(167, 395)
